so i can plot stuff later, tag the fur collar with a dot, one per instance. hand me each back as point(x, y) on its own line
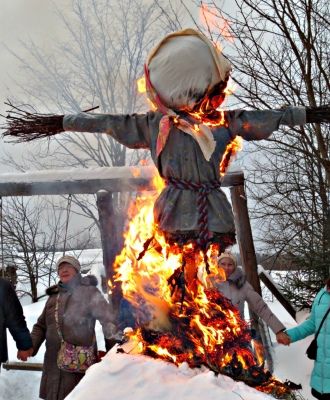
point(238, 278)
point(88, 280)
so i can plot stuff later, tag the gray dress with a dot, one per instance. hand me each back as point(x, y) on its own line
point(175, 209)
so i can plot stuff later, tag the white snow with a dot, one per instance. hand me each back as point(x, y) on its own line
point(124, 377)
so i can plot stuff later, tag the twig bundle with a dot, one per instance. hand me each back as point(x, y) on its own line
point(318, 114)
point(25, 126)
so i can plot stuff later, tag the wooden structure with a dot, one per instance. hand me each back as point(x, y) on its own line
point(264, 277)
point(104, 181)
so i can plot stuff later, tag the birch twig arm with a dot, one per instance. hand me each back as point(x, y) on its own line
point(26, 126)
point(318, 114)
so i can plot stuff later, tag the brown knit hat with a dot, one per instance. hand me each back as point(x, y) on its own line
point(70, 260)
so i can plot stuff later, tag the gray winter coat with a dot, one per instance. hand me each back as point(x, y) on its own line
point(175, 209)
point(238, 291)
point(80, 305)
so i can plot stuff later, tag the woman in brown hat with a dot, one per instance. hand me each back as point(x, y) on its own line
point(70, 313)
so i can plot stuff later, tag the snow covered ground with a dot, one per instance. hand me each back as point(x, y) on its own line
point(124, 377)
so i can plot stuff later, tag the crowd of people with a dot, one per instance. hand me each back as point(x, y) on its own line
point(75, 303)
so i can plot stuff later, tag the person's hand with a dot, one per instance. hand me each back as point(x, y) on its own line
point(23, 355)
point(283, 338)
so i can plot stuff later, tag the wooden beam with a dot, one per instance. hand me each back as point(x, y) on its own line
point(88, 181)
point(277, 293)
point(22, 366)
point(249, 259)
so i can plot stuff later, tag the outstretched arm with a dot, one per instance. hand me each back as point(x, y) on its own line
point(257, 125)
point(133, 131)
point(260, 124)
point(258, 305)
point(306, 328)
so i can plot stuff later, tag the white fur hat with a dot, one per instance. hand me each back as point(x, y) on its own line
point(228, 255)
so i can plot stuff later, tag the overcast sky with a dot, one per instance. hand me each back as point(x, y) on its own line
point(21, 20)
point(24, 20)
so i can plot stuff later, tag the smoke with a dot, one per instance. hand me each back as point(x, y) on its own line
point(20, 21)
point(155, 308)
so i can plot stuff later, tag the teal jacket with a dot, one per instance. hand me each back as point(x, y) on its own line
point(320, 379)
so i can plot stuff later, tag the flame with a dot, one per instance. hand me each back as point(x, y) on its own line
point(142, 88)
point(230, 88)
point(141, 85)
point(163, 352)
point(232, 148)
point(144, 162)
point(136, 172)
point(259, 351)
point(201, 328)
point(213, 21)
point(110, 286)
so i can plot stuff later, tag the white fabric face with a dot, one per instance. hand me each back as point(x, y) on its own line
point(182, 70)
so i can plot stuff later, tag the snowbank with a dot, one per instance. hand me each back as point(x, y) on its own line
point(121, 376)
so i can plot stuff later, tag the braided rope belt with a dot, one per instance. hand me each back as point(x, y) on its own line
point(203, 190)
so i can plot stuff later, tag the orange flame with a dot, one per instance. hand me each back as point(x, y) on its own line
point(259, 351)
point(141, 85)
point(142, 88)
point(110, 286)
point(213, 21)
point(232, 148)
point(212, 328)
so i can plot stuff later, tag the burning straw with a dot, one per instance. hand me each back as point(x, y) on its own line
point(201, 328)
point(214, 337)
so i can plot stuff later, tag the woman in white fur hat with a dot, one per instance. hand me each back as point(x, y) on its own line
point(231, 283)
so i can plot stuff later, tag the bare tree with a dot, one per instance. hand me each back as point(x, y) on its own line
point(98, 64)
point(33, 232)
point(280, 56)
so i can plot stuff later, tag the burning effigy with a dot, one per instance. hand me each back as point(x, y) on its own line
point(201, 328)
point(176, 235)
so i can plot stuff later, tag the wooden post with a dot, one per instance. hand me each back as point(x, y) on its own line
point(244, 236)
point(110, 242)
point(249, 259)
